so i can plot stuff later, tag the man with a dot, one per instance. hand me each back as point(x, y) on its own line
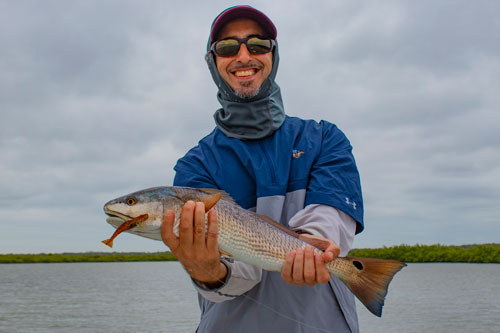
point(299, 173)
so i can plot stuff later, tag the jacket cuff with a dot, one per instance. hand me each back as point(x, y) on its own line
point(241, 278)
point(202, 286)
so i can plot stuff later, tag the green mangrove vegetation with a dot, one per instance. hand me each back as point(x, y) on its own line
point(85, 257)
point(477, 253)
point(480, 253)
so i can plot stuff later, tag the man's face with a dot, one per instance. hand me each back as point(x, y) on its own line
point(244, 72)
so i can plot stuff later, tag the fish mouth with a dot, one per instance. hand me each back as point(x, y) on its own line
point(115, 217)
point(113, 213)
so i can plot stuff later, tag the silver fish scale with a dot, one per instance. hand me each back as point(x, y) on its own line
point(341, 268)
point(251, 239)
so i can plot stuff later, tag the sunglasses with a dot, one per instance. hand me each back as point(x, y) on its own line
point(231, 46)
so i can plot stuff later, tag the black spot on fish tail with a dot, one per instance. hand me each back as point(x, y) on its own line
point(358, 265)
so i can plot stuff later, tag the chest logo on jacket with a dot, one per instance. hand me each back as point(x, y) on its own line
point(296, 153)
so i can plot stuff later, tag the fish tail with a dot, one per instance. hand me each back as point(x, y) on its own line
point(370, 280)
point(108, 242)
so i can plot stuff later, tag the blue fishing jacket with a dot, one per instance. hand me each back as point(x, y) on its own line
point(303, 162)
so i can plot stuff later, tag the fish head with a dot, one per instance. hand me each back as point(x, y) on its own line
point(133, 205)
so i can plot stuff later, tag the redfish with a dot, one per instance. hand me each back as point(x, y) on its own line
point(247, 237)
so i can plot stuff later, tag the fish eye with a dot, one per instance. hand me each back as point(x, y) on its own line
point(130, 201)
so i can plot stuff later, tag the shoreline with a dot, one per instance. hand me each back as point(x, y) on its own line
point(474, 253)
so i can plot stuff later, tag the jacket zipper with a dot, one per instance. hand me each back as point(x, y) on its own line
point(270, 163)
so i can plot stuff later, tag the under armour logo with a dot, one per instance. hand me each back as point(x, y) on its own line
point(296, 153)
point(353, 204)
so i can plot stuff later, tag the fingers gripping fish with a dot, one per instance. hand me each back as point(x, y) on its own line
point(247, 237)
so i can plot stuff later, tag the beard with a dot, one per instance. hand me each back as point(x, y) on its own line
point(245, 91)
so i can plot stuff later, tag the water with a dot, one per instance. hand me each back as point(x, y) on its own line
point(158, 297)
point(97, 297)
point(439, 298)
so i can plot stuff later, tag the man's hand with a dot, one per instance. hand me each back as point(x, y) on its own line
point(199, 254)
point(304, 267)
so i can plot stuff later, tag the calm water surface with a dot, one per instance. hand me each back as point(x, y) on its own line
point(97, 297)
point(158, 297)
point(439, 298)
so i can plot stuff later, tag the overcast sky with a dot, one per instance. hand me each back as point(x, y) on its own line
point(100, 98)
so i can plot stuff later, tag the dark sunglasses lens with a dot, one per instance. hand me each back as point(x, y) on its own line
point(257, 45)
point(227, 47)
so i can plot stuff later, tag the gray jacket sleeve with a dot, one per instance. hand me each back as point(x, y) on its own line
point(240, 278)
point(328, 222)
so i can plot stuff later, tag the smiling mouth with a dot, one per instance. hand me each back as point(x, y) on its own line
point(245, 73)
point(248, 70)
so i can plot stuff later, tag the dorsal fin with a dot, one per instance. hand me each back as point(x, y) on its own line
point(315, 240)
point(309, 239)
point(211, 200)
point(185, 194)
point(278, 225)
point(224, 194)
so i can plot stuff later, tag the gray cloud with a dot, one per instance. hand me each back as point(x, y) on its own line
point(98, 99)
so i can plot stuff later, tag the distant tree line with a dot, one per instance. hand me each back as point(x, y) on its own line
point(481, 253)
point(85, 257)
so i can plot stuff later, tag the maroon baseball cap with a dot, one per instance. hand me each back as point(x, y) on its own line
point(242, 12)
